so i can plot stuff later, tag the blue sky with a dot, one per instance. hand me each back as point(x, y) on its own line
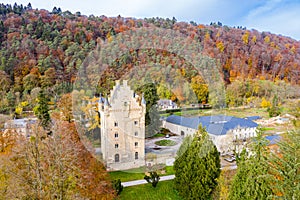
point(276, 16)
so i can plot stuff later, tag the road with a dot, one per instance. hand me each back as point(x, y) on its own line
point(139, 182)
point(162, 178)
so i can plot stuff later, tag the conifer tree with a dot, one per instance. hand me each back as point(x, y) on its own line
point(41, 110)
point(250, 181)
point(285, 171)
point(197, 168)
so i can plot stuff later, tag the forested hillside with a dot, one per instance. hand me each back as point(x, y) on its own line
point(44, 49)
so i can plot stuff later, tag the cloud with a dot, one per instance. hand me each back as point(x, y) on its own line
point(276, 16)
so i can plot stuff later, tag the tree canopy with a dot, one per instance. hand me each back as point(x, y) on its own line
point(197, 167)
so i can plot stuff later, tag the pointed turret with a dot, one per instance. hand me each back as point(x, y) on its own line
point(143, 100)
point(106, 102)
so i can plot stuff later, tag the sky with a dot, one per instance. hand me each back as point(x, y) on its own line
point(275, 16)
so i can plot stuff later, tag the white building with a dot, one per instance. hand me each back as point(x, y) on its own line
point(122, 128)
point(165, 104)
point(227, 133)
point(20, 126)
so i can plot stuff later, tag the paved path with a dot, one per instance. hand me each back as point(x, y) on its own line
point(139, 182)
point(162, 178)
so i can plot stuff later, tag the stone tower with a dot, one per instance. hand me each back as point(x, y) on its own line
point(122, 128)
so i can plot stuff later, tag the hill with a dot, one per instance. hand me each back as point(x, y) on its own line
point(40, 48)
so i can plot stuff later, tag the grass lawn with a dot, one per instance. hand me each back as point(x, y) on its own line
point(158, 135)
point(164, 191)
point(165, 143)
point(128, 175)
point(169, 170)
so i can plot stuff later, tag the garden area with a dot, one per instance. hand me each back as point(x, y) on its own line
point(164, 190)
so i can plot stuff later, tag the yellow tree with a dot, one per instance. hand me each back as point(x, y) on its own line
point(200, 88)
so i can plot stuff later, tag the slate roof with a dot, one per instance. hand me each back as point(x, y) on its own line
point(274, 139)
point(217, 124)
point(253, 118)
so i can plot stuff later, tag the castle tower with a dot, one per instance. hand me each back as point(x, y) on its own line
point(122, 128)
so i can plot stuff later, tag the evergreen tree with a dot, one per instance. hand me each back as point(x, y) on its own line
point(250, 181)
point(197, 168)
point(117, 186)
point(152, 116)
point(285, 171)
point(41, 110)
point(274, 110)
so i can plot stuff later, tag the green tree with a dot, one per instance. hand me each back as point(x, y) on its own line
point(41, 110)
point(152, 116)
point(284, 170)
point(153, 178)
point(117, 185)
point(197, 168)
point(48, 79)
point(250, 181)
point(274, 110)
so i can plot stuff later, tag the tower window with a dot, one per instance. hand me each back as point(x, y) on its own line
point(125, 103)
point(136, 133)
point(135, 122)
point(136, 144)
point(136, 155)
point(116, 124)
point(116, 146)
point(117, 157)
point(116, 135)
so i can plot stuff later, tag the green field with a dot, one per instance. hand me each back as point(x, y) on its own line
point(128, 175)
point(165, 143)
point(163, 191)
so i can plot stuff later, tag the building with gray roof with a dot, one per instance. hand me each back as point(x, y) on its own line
point(225, 131)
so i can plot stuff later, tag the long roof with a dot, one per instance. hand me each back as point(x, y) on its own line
point(216, 124)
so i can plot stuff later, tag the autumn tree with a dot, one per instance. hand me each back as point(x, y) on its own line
point(65, 107)
point(56, 167)
point(5, 82)
point(200, 89)
point(197, 168)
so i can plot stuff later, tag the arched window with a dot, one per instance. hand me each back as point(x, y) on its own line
point(136, 155)
point(117, 158)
